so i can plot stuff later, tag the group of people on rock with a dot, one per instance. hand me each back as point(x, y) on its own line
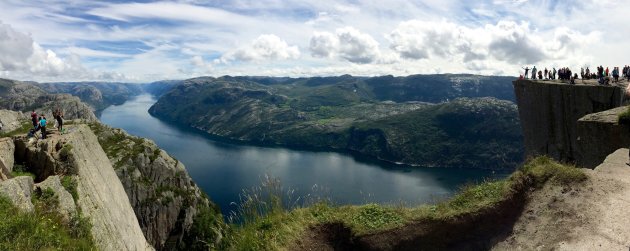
point(40, 122)
point(562, 73)
point(602, 74)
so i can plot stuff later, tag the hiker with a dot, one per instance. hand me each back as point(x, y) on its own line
point(58, 115)
point(546, 76)
point(540, 75)
point(534, 73)
point(554, 73)
point(526, 71)
point(42, 124)
point(34, 118)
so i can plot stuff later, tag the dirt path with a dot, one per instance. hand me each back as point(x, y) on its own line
point(592, 216)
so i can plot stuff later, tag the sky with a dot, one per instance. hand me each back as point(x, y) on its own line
point(143, 41)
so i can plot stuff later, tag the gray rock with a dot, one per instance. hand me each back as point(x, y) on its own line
point(10, 120)
point(163, 195)
point(7, 151)
point(67, 208)
point(549, 113)
point(19, 190)
point(102, 197)
point(600, 134)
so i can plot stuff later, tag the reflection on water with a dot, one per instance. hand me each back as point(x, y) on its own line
point(223, 169)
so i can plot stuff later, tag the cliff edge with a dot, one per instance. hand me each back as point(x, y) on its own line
point(550, 110)
point(102, 197)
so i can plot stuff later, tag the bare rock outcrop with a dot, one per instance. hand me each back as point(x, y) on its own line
point(67, 208)
point(163, 195)
point(549, 113)
point(19, 191)
point(10, 120)
point(102, 197)
point(7, 148)
point(600, 134)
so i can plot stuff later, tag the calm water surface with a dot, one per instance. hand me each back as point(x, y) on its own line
point(224, 169)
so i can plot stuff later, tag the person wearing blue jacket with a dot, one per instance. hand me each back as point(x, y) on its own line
point(42, 124)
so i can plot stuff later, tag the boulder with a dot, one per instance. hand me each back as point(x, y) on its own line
point(7, 151)
point(67, 208)
point(19, 191)
point(10, 120)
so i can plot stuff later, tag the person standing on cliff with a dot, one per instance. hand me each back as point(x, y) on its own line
point(58, 115)
point(34, 119)
point(526, 71)
point(42, 124)
point(554, 73)
point(534, 73)
point(546, 74)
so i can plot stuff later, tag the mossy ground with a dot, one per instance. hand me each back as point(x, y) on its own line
point(43, 229)
point(276, 228)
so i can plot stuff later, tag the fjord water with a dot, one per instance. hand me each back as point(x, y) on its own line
point(224, 169)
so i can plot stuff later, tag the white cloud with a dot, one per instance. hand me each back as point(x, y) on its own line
point(507, 42)
point(347, 43)
point(387, 37)
point(15, 48)
point(265, 47)
point(19, 54)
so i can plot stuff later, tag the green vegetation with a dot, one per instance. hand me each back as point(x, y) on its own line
point(624, 117)
point(117, 145)
point(70, 184)
point(42, 230)
point(266, 225)
point(21, 170)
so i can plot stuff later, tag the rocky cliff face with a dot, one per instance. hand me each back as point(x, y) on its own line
point(164, 197)
point(549, 113)
point(600, 134)
point(101, 196)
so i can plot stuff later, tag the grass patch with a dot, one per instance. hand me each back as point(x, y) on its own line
point(70, 184)
point(267, 225)
point(42, 230)
point(624, 117)
point(21, 170)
